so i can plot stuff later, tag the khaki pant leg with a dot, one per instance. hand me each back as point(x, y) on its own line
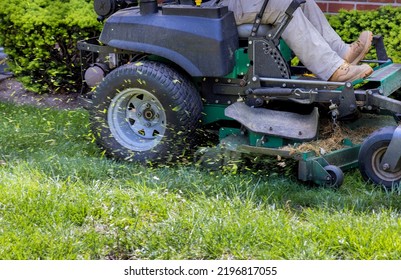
point(301, 35)
point(315, 15)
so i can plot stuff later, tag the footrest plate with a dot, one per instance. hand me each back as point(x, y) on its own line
point(277, 123)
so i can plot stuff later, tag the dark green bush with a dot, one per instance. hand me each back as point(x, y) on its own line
point(385, 21)
point(40, 38)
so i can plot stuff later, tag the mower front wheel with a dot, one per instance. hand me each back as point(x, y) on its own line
point(370, 156)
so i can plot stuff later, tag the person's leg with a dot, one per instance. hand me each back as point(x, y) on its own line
point(300, 35)
point(352, 53)
point(310, 47)
point(315, 15)
point(316, 53)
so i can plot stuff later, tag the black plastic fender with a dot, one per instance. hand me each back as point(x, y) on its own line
point(202, 41)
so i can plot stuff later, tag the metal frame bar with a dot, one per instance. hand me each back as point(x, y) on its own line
point(391, 159)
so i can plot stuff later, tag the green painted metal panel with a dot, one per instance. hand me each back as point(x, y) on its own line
point(227, 131)
point(389, 78)
point(213, 113)
point(311, 167)
point(261, 140)
point(241, 64)
point(285, 50)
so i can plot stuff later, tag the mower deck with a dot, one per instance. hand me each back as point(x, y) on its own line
point(312, 158)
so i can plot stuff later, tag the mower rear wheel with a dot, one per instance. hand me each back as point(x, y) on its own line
point(145, 111)
point(370, 155)
point(336, 176)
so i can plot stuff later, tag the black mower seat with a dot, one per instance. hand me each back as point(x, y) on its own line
point(245, 30)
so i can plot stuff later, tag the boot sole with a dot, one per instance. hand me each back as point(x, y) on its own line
point(363, 75)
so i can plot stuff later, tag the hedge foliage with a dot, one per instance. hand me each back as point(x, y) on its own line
point(40, 38)
point(385, 21)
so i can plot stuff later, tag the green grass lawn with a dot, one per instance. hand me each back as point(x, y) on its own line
point(60, 198)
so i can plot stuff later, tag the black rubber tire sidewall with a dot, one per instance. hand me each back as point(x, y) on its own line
point(173, 91)
point(377, 140)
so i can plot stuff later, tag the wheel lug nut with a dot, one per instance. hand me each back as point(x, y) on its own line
point(386, 166)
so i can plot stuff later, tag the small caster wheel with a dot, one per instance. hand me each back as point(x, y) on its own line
point(336, 176)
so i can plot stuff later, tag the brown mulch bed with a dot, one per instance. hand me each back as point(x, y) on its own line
point(12, 91)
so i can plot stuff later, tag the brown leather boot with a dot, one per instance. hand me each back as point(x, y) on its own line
point(359, 48)
point(349, 73)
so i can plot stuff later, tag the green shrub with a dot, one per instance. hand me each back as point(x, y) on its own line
point(385, 21)
point(40, 38)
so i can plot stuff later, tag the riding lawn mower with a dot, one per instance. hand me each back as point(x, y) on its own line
point(160, 73)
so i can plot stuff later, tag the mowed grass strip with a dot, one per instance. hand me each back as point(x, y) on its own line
point(60, 198)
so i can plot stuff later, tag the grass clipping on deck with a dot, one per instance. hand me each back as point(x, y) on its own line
point(331, 138)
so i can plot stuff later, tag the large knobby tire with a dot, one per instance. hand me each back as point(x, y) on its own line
point(145, 112)
point(371, 154)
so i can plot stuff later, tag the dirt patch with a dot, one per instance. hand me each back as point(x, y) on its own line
point(13, 91)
